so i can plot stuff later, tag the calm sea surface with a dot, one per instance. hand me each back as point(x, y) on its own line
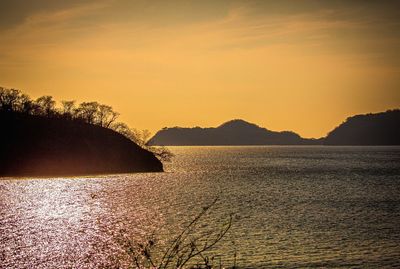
point(293, 207)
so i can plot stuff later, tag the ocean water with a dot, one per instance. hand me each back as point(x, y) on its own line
point(291, 207)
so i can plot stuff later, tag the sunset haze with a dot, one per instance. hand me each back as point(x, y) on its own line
point(286, 65)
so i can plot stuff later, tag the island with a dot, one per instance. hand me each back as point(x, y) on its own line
point(234, 132)
point(371, 129)
point(381, 128)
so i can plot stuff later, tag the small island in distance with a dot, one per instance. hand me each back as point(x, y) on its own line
point(369, 129)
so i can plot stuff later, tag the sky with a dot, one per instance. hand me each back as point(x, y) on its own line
point(301, 65)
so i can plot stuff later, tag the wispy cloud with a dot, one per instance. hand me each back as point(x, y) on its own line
point(197, 54)
point(49, 18)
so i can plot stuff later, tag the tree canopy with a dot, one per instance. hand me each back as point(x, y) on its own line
point(14, 101)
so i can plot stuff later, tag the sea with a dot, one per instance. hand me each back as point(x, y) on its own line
point(262, 206)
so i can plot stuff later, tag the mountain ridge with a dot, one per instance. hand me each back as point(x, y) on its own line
point(382, 128)
point(233, 132)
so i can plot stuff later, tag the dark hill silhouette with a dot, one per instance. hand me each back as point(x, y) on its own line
point(235, 132)
point(37, 138)
point(371, 129)
point(35, 146)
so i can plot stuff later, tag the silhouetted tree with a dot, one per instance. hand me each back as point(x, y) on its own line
point(106, 115)
point(119, 127)
point(68, 108)
point(87, 111)
point(12, 100)
point(142, 138)
point(131, 133)
point(27, 105)
point(46, 106)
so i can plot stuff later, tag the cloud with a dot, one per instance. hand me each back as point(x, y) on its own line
point(111, 27)
point(198, 55)
point(15, 12)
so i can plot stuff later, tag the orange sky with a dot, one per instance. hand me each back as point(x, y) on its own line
point(284, 65)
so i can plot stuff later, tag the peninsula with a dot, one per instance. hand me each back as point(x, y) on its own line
point(37, 139)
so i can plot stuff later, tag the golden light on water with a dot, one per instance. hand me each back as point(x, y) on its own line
point(293, 207)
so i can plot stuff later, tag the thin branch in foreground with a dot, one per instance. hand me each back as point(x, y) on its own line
point(184, 248)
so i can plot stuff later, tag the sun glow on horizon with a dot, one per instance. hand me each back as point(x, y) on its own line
point(283, 65)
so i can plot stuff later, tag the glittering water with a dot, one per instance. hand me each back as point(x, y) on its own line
point(294, 207)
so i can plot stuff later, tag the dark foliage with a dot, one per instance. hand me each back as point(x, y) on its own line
point(39, 139)
point(14, 101)
point(370, 129)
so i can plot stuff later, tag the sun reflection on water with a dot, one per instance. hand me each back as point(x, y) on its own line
point(293, 207)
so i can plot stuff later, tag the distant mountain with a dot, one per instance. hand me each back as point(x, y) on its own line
point(234, 132)
point(370, 129)
point(39, 146)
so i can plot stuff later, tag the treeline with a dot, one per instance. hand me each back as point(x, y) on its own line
point(14, 101)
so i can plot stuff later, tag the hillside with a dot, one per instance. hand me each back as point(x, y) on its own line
point(36, 146)
point(369, 129)
point(235, 132)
